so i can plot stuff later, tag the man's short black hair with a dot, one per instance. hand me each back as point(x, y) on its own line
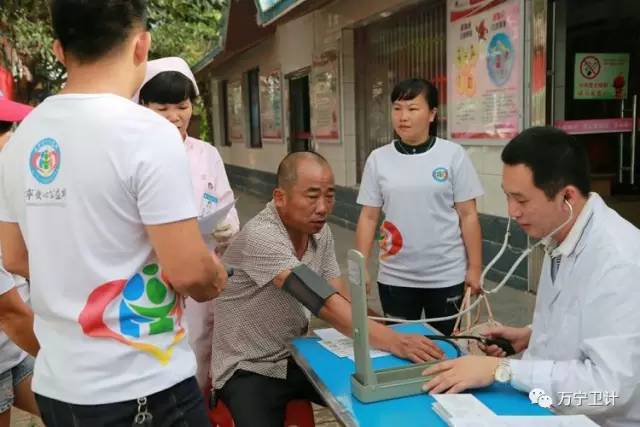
point(168, 87)
point(90, 29)
point(409, 89)
point(288, 169)
point(555, 158)
point(5, 127)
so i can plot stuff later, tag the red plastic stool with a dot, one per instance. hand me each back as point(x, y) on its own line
point(299, 414)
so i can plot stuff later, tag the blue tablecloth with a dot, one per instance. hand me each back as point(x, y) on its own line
point(332, 376)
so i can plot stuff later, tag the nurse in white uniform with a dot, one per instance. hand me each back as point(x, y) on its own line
point(170, 89)
point(583, 348)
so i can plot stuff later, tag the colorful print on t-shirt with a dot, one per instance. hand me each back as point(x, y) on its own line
point(44, 161)
point(143, 312)
point(390, 240)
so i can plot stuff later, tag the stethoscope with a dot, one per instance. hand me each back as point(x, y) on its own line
point(485, 291)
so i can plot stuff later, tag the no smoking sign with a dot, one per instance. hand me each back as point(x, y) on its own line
point(590, 67)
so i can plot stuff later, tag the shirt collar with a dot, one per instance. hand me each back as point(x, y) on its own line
point(568, 245)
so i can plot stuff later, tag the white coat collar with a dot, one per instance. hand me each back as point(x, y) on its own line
point(569, 244)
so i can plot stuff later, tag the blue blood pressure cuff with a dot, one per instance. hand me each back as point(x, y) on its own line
point(308, 288)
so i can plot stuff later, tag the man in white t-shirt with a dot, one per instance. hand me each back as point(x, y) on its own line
point(97, 211)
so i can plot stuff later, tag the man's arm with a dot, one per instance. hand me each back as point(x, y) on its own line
point(609, 359)
point(472, 238)
point(14, 251)
point(16, 320)
point(186, 261)
point(337, 311)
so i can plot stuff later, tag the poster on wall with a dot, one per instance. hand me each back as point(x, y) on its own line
point(485, 88)
point(539, 63)
point(325, 101)
point(271, 107)
point(234, 104)
point(601, 76)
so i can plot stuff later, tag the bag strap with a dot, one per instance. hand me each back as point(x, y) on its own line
point(466, 301)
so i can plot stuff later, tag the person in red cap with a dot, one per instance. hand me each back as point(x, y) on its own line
point(16, 316)
point(10, 112)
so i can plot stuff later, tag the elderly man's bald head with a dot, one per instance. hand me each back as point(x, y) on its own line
point(288, 168)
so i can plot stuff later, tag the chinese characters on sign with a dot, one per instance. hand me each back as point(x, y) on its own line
point(234, 113)
point(485, 65)
point(271, 107)
point(601, 76)
point(325, 102)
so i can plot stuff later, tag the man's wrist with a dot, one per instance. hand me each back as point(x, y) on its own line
point(503, 372)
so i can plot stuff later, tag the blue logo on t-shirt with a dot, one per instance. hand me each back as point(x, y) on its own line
point(440, 174)
point(44, 161)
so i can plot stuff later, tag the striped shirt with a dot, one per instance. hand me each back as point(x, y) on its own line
point(254, 320)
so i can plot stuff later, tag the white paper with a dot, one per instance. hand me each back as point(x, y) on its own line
point(341, 345)
point(209, 222)
point(524, 421)
point(463, 405)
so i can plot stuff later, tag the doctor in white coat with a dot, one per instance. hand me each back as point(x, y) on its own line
point(583, 348)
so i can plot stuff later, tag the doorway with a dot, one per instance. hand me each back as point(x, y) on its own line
point(594, 61)
point(299, 113)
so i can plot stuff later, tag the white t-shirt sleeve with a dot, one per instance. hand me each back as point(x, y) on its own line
point(6, 213)
point(370, 193)
point(6, 281)
point(162, 181)
point(466, 184)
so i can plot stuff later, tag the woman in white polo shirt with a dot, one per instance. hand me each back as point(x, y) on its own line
point(430, 244)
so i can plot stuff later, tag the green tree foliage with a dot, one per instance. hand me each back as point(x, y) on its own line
point(186, 28)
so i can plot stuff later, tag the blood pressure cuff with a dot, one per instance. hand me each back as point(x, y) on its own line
point(308, 288)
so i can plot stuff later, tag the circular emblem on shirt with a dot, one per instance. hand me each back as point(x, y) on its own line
point(44, 161)
point(391, 241)
point(440, 174)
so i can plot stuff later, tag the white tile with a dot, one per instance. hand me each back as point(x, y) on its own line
point(349, 96)
point(494, 201)
point(492, 160)
point(476, 154)
point(349, 142)
point(339, 172)
point(349, 121)
point(350, 174)
point(348, 70)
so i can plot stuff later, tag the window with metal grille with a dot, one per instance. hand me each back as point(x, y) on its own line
point(410, 43)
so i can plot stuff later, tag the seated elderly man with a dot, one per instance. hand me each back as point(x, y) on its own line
point(284, 261)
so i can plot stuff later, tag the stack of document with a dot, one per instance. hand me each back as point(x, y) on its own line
point(210, 221)
point(526, 421)
point(341, 345)
point(452, 407)
point(464, 410)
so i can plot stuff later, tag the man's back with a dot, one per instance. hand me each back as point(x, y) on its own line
point(82, 177)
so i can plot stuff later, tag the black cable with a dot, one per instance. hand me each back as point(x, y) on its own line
point(504, 344)
point(448, 340)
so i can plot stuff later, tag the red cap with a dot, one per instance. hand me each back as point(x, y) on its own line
point(11, 111)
